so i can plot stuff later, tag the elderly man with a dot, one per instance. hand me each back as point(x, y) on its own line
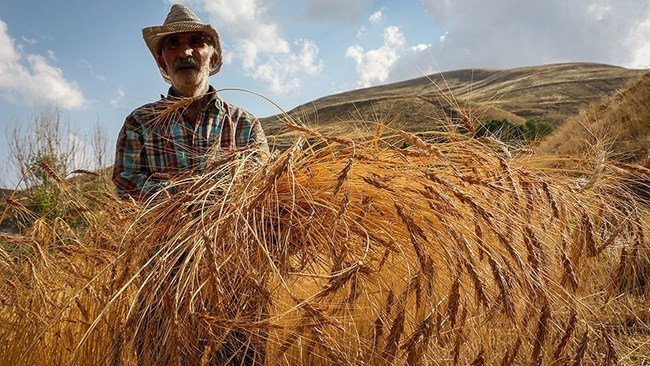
point(154, 144)
point(150, 148)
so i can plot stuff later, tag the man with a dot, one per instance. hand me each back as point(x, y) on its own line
point(154, 145)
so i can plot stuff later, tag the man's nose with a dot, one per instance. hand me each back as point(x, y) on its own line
point(186, 49)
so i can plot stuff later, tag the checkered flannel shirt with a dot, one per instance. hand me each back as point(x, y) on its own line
point(149, 150)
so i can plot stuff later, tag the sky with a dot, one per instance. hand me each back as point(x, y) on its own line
point(87, 59)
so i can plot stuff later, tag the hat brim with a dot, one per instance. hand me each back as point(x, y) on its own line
point(154, 35)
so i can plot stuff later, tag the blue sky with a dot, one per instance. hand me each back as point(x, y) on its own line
point(87, 57)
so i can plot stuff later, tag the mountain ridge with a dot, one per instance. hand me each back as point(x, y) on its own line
point(552, 93)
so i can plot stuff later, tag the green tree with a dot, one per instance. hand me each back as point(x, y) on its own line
point(536, 130)
point(504, 130)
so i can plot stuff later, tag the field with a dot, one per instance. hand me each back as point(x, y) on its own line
point(359, 243)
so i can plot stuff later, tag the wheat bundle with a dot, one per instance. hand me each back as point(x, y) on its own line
point(339, 251)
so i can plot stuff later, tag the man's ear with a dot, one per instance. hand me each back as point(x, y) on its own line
point(214, 59)
point(161, 62)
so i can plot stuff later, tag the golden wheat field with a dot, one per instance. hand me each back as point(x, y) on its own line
point(378, 248)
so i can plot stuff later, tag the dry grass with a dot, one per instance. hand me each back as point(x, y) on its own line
point(550, 93)
point(341, 251)
point(617, 124)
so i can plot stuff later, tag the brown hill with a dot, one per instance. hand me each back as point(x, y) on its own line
point(619, 124)
point(551, 93)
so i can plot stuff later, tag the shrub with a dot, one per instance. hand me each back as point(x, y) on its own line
point(502, 129)
point(47, 151)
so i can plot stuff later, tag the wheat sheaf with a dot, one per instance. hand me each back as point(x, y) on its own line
point(379, 249)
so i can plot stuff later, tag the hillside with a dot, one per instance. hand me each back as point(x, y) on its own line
point(7, 225)
point(551, 93)
point(619, 123)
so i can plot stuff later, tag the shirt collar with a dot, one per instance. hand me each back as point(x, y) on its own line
point(214, 96)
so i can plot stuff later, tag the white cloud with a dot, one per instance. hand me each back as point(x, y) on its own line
point(598, 11)
point(8, 50)
point(30, 78)
point(335, 10)
point(443, 37)
point(356, 53)
point(118, 98)
point(508, 33)
point(88, 66)
point(51, 55)
point(29, 40)
point(258, 43)
point(419, 47)
point(393, 36)
point(280, 71)
point(373, 66)
point(227, 57)
point(361, 31)
point(641, 58)
point(376, 17)
point(415, 61)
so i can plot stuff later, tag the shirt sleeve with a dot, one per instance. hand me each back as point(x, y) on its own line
point(131, 175)
point(258, 137)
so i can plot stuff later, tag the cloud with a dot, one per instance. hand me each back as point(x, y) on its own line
point(641, 59)
point(29, 40)
point(31, 79)
point(507, 33)
point(361, 31)
point(376, 17)
point(511, 33)
point(281, 71)
point(85, 64)
point(51, 55)
point(414, 61)
point(443, 37)
point(335, 10)
point(118, 98)
point(8, 49)
point(258, 43)
point(393, 37)
point(373, 66)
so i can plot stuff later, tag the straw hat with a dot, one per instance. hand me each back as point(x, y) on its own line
point(180, 19)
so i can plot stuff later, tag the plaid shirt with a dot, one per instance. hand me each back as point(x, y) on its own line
point(151, 149)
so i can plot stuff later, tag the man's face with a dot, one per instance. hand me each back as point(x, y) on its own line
point(188, 58)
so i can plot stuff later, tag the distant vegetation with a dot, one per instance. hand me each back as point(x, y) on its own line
point(504, 130)
point(45, 153)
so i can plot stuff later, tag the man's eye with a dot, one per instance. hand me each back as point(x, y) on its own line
point(197, 41)
point(171, 42)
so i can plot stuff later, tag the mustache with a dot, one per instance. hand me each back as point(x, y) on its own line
point(186, 62)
